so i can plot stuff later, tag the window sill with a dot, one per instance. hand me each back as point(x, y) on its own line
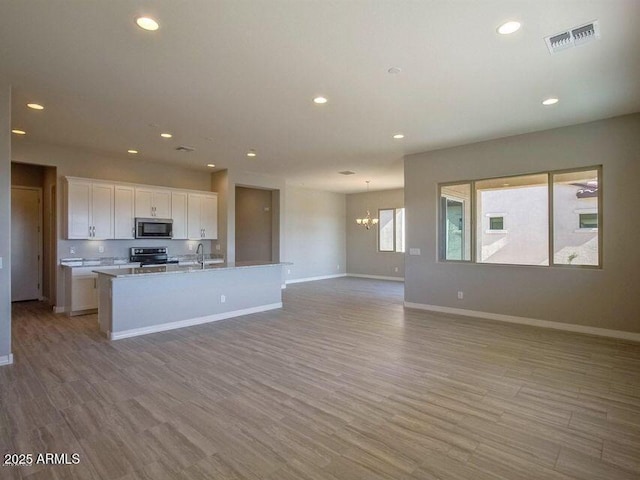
point(496, 232)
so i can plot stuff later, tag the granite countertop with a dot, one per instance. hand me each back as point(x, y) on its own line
point(175, 269)
point(119, 261)
point(95, 262)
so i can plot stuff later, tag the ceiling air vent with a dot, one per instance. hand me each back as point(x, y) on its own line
point(346, 172)
point(573, 37)
point(185, 148)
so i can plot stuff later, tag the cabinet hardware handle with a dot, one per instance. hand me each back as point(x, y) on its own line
point(95, 283)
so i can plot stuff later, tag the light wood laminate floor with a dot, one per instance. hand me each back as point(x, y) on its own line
point(342, 383)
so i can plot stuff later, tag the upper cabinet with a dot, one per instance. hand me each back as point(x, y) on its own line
point(89, 209)
point(98, 210)
point(124, 213)
point(202, 220)
point(153, 203)
point(179, 215)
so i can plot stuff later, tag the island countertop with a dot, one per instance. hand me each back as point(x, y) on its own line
point(176, 269)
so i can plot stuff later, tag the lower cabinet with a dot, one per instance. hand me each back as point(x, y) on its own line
point(81, 290)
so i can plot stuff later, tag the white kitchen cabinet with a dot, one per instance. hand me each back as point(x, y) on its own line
point(179, 215)
point(89, 210)
point(153, 203)
point(202, 218)
point(124, 213)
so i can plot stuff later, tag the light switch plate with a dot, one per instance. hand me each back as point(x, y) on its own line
point(414, 251)
point(0, 263)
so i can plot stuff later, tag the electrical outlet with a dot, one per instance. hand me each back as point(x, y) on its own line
point(218, 247)
point(337, 267)
point(191, 247)
point(72, 250)
point(395, 269)
point(0, 263)
point(223, 298)
point(100, 248)
point(288, 271)
point(460, 295)
point(414, 251)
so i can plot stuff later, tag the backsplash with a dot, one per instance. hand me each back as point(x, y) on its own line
point(120, 248)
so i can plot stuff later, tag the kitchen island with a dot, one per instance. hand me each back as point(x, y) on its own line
point(138, 301)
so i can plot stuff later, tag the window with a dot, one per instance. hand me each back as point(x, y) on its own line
point(588, 220)
point(575, 218)
point(552, 219)
point(391, 236)
point(496, 223)
point(455, 222)
point(524, 199)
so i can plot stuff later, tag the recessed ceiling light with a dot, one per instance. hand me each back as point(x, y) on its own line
point(18, 132)
point(132, 151)
point(550, 101)
point(166, 135)
point(251, 153)
point(394, 70)
point(320, 100)
point(398, 136)
point(147, 23)
point(210, 165)
point(508, 28)
point(35, 106)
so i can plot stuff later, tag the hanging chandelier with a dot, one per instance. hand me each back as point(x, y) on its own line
point(367, 222)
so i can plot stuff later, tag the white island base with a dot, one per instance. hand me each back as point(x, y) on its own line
point(139, 301)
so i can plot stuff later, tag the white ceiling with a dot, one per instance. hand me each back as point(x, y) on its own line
point(229, 76)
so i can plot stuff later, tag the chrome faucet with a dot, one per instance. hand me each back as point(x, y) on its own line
point(200, 251)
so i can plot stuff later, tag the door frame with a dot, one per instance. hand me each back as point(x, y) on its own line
point(40, 233)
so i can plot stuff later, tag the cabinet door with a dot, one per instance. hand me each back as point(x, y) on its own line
point(179, 215)
point(123, 206)
point(102, 210)
point(194, 225)
point(162, 204)
point(78, 209)
point(144, 202)
point(209, 216)
point(84, 293)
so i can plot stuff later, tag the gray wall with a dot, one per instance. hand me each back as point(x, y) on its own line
point(605, 298)
point(363, 257)
point(5, 219)
point(315, 232)
point(254, 224)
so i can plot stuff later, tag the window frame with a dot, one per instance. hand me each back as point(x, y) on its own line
point(395, 240)
point(441, 252)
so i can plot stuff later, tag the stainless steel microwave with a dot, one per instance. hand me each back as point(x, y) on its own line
point(154, 228)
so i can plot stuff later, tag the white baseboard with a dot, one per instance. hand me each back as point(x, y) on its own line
point(534, 322)
point(6, 359)
point(59, 309)
point(190, 322)
point(313, 279)
point(376, 277)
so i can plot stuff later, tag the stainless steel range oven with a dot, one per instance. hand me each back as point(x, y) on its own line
point(150, 256)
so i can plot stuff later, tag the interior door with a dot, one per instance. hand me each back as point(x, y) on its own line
point(26, 244)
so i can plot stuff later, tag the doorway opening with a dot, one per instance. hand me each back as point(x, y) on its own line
point(257, 233)
point(33, 232)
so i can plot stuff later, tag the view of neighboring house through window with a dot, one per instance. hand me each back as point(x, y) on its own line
point(524, 200)
point(391, 236)
point(575, 217)
point(512, 222)
point(455, 222)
